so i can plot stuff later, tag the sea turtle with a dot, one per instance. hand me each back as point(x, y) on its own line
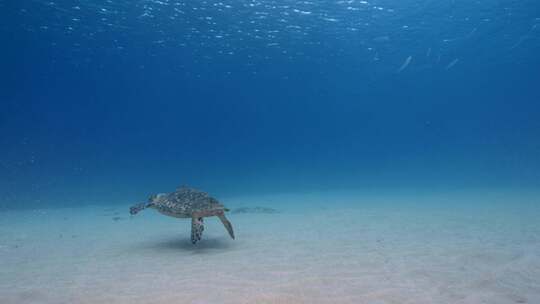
point(187, 202)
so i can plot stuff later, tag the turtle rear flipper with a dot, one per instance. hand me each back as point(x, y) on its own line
point(227, 224)
point(197, 228)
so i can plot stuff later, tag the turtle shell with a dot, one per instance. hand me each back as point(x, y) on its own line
point(185, 201)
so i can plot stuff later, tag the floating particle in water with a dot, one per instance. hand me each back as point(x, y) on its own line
point(302, 12)
point(452, 64)
point(405, 64)
point(381, 39)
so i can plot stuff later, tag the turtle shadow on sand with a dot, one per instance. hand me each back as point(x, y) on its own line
point(179, 244)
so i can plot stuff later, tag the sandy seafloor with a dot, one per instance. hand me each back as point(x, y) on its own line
point(478, 247)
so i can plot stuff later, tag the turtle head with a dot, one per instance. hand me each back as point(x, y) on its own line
point(152, 201)
point(136, 208)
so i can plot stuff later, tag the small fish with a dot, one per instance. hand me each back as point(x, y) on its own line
point(471, 33)
point(405, 64)
point(525, 37)
point(451, 64)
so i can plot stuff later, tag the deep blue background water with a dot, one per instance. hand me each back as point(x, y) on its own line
point(109, 101)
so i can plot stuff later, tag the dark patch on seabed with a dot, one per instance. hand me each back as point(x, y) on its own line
point(178, 244)
point(265, 210)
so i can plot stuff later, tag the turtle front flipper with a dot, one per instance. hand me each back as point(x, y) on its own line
point(197, 228)
point(227, 224)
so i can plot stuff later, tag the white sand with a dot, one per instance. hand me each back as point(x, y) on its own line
point(413, 249)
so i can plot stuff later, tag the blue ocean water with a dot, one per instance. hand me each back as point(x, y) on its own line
point(106, 101)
